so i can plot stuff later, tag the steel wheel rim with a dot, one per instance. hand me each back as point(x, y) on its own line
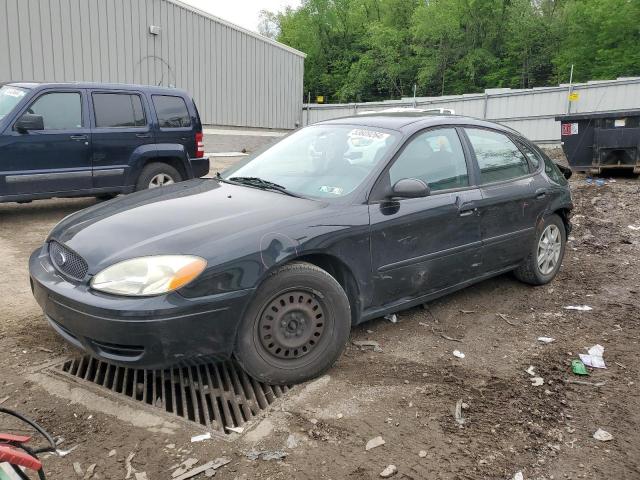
point(292, 324)
point(549, 248)
point(160, 180)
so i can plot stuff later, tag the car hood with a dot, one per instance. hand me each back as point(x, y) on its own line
point(186, 218)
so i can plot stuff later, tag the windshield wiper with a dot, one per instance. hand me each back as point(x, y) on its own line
point(261, 183)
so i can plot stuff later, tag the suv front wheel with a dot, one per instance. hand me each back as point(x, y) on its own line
point(156, 175)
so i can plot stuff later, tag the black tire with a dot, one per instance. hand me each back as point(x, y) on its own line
point(530, 272)
point(274, 351)
point(106, 196)
point(150, 171)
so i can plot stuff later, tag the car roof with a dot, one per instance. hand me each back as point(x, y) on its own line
point(98, 85)
point(410, 121)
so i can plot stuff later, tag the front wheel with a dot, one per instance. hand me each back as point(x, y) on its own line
point(296, 327)
point(544, 259)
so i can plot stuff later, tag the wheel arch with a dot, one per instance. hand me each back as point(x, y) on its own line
point(341, 272)
point(565, 214)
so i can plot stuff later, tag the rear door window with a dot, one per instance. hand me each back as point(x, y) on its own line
point(498, 157)
point(172, 111)
point(435, 157)
point(59, 110)
point(118, 110)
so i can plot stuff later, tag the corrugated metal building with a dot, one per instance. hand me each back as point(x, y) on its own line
point(237, 77)
point(529, 111)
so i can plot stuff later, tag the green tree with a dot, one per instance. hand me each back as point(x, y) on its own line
point(361, 50)
point(601, 39)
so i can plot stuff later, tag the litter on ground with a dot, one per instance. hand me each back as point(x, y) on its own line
point(578, 368)
point(200, 438)
point(546, 339)
point(374, 443)
point(266, 454)
point(602, 435)
point(580, 308)
point(458, 353)
point(594, 358)
point(393, 318)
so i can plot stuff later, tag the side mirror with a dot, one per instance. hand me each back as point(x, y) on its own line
point(28, 122)
point(410, 188)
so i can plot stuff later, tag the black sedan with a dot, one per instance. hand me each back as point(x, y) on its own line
point(274, 261)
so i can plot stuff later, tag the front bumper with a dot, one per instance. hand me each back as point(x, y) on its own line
point(146, 332)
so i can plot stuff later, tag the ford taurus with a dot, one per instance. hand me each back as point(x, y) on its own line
point(273, 261)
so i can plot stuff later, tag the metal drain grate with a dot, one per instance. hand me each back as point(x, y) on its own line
point(215, 395)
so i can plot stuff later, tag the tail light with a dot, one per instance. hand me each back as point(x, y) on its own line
point(199, 145)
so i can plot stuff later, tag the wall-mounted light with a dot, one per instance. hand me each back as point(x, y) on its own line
point(154, 29)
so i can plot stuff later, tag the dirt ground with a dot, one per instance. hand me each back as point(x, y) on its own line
point(407, 393)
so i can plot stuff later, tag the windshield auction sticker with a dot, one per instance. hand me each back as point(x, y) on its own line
point(13, 92)
point(369, 134)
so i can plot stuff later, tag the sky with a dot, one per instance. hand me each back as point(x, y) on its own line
point(245, 13)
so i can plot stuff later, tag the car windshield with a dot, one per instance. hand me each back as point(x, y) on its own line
point(322, 161)
point(9, 98)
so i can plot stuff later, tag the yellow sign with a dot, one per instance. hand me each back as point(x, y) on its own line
point(320, 99)
point(574, 96)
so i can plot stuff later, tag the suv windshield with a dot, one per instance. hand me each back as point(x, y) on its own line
point(9, 98)
point(323, 161)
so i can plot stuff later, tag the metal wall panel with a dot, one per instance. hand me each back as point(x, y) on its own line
point(237, 77)
point(531, 112)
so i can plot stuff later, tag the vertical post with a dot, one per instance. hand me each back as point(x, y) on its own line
point(486, 102)
point(570, 90)
point(308, 106)
point(414, 95)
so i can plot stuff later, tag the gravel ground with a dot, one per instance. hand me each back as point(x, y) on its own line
point(407, 393)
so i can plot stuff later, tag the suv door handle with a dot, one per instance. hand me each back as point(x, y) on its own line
point(143, 135)
point(78, 137)
point(541, 193)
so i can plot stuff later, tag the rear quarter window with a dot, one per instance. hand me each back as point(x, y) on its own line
point(172, 111)
point(553, 172)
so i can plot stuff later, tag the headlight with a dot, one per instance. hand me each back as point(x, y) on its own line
point(146, 276)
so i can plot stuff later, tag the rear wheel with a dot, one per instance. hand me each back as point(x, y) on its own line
point(544, 259)
point(156, 175)
point(296, 327)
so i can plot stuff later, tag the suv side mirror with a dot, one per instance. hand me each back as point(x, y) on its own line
point(410, 188)
point(28, 122)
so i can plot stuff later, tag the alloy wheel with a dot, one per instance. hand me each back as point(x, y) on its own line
point(549, 248)
point(160, 180)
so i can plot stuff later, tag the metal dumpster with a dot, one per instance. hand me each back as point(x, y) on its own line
point(597, 141)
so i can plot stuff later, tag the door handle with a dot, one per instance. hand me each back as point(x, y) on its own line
point(541, 193)
point(466, 209)
point(78, 137)
point(143, 135)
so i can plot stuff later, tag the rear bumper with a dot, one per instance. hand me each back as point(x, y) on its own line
point(199, 166)
point(151, 332)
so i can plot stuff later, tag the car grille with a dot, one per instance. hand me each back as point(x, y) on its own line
point(67, 261)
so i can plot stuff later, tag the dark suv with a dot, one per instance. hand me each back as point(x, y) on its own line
point(83, 139)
